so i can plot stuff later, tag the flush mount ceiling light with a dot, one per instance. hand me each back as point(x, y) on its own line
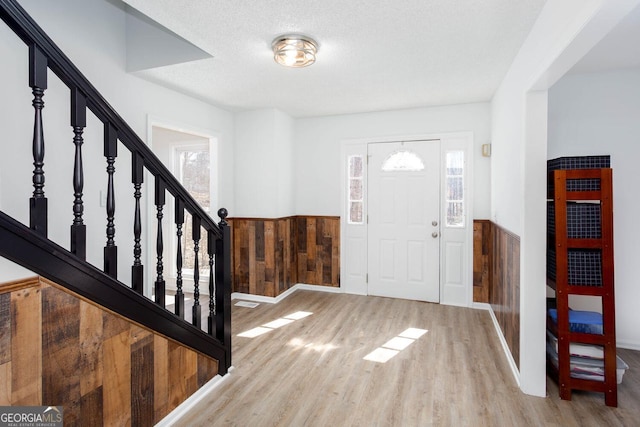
point(294, 50)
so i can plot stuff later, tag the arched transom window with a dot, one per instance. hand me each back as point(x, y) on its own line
point(404, 161)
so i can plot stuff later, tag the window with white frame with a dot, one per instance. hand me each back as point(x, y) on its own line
point(454, 203)
point(356, 189)
point(192, 167)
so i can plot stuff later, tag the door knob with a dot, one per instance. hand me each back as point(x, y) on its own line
point(434, 234)
point(434, 223)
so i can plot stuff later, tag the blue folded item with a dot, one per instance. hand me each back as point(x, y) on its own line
point(588, 322)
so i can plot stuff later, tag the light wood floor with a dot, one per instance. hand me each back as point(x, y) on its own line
point(311, 372)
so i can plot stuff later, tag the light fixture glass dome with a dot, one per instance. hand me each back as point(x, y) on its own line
point(294, 50)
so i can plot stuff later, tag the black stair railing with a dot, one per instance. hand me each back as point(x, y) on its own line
point(30, 247)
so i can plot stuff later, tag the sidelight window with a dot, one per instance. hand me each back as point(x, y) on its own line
point(454, 204)
point(356, 189)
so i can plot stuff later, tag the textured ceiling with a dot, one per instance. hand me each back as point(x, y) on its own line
point(373, 55)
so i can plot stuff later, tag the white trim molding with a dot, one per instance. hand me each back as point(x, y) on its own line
point(354, 238)
point(282, 296)
point(181, 410)
point(505, 346)
point(628, 345)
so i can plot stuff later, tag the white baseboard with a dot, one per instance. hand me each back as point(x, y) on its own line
point(318, 288)
point(275, 300)
point(481, 306)
point(505, 346)
point(174, 416)
point(628, 345)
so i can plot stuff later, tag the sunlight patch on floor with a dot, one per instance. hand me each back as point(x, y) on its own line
point(395, 345)
point(413, 333)
point(398, 343)
point(247, 304)
point(278, 323)
point(298, 315)
point(275, 324)
point(320, 348)
point(381, 355)
point(255, 332)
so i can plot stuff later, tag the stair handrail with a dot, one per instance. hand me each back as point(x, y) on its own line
point(69, 266)
point(31, 34)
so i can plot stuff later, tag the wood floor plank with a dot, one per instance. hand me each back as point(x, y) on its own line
point(312, 371)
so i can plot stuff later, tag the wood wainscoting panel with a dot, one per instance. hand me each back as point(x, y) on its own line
point(318, 250)
point(26, 347)
point(482, 256)
point(58, 349)
point(5, 328)
point(272, 255)
point(257, 260)
point(160, 376)
point(505, 287)
point(142, 411)
point(5, 349)
point(61, 352)
point(117, 380)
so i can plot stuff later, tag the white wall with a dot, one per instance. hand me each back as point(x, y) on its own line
point(594, 114)
point(264, 169)
point(563, 33)
point(283, 164)
point(317, 149)
point(97, 47)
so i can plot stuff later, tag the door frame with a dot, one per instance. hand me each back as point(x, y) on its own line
point(456, 245)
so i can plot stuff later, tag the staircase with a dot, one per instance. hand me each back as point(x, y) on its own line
point(30, 247)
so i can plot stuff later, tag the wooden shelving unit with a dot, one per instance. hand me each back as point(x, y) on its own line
point(580, 245)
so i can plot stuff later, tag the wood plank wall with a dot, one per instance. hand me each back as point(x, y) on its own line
point(263, 260)
point(496, 278)
point(318, 250)
point(504, 293)
point(270, 255)
point(482, 256)
point(57, 349)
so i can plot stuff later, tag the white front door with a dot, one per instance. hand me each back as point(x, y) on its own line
point(404, 220)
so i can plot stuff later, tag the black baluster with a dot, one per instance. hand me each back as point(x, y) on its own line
point(196, 310)
point(179, 294)
point(211, 250)
point(38, 84)
point(223, 290)
point(111, 152)
point(137, 269)
point(78, 122)
point(159, 201)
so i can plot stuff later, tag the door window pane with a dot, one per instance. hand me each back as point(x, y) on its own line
point(403, 160)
